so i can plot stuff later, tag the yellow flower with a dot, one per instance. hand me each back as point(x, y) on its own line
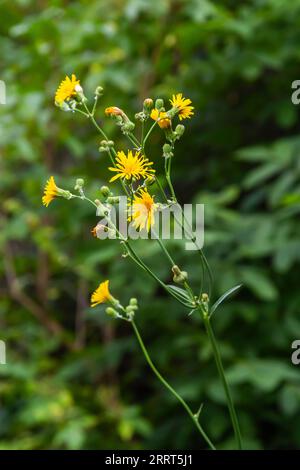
point(161, 117)
point(66, 89)
point(101, 295)
point(184, 109)
point(114, 111)
point(142, 210)
point(50, 192)
point(131, 166)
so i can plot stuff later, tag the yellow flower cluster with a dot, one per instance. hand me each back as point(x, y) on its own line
point(129, 168)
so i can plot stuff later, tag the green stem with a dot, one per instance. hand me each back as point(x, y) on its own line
point(164, 249)
point(171, 389)
point(220, 368)
point(168, 177)
point(148, 135)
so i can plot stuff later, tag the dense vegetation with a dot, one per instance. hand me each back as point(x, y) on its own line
point(74, 378)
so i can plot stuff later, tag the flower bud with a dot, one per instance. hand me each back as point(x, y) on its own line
point(148, 104)
point(79, 93)
point(114, 111)
point(112, 312)
point(133, 301)
point(79, 184)
point(179, 276)
point(130, 311)
point(103, 149)
point(159, 104)
point(105, 191)
point(167, 151)
point(127, 127)
point(179, 130)
point(99, 91)
point(204, 298)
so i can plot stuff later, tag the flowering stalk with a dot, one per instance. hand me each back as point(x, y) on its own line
point(135, 173)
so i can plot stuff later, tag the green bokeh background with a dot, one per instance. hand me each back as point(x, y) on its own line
point(81, 382)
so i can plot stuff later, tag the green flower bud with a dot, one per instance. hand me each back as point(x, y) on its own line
point(167, 151)
point(105, 191)
point(79, 93)
point(204, 298)
point(79, 184)
point(99, 91)
point(127, 127)
point(159, 104)
point(133, 301)
point(179, 276)
point(112, 312)
point(113, 200)
point(110, 143)
point(179, 130)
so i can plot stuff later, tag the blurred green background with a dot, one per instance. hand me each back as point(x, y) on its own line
point(74, 378)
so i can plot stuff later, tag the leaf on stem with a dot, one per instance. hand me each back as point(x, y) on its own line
point(224, 297)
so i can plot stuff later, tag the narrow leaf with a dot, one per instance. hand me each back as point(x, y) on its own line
point(224, 297)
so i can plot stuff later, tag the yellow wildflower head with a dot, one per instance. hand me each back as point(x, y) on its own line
point(101, 295)
point(182, 106)
point(142, 210)
point(50, 191)
point(132, 165)
point(66, 90)
point(161, 117)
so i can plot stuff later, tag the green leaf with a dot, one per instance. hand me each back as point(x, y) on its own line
point(181, 295)
point(224, 297)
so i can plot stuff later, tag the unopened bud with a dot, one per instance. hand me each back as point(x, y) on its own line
point(99, 91)
point(179, 276)
point(79, 184)
point(159, 104)
point(133, 301)
point(148, 104)
point(167, 151)
point(204, 298)
point(79, 93)
point(105, 191)
point(112, 312)
point(179, 130)
point(128, 127)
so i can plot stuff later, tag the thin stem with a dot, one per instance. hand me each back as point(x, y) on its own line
point(168, 177)
point(220, 368)
point(148, 134)
point(171, 389)
point(164, 249)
